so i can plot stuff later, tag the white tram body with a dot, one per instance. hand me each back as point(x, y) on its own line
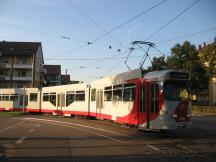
point(108, 95)
point(20, 99)
point(65, 100)
point(150, 100)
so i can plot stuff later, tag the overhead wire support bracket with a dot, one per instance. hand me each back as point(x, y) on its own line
point(130, 50)
point(145, 56)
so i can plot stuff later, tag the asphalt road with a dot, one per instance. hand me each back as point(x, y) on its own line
point(48, 138)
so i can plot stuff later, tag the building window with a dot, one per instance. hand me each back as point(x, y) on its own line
point(23, 61)
point(33, 96)
point(22, 73)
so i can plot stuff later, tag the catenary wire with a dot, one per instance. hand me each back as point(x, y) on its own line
point(92, 20)
point(173, 19)
point(112, 30)
point(185, 36)
point(128, 21)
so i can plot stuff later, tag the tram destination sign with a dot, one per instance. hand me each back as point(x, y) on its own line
point(179, 75)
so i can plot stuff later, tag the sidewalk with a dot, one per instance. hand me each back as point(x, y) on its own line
point(203, 114)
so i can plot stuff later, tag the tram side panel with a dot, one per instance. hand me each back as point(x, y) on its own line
point(65, 100)
point(113, 101)
point(10, 99)
point(14, 99)
point(76, 100)
point(32, 100)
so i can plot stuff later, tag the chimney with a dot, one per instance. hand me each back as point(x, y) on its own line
point(204, 44)
point(200, 46)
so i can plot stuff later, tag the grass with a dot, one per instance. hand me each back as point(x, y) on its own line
point(12, 113)
point(211, 110)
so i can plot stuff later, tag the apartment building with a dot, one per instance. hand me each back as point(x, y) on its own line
point(52, 75)
point(65, 79)
point(20, 64)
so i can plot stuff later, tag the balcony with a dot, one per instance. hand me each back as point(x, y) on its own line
point(2, 77)
point(16, 66)
point(2, 65)
point(17, 78)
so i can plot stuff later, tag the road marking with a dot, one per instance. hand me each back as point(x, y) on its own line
point(185, 149)
point(10, 127)
point(19, 141)
point(61, 123)
point(90, 132)
point(85, 126)
point(31, 130)
point(203, 126)
point(154, 148)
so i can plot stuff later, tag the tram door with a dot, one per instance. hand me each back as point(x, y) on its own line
point(148, 101)
point(60, 103)
point(23, 101)
point(99, 102)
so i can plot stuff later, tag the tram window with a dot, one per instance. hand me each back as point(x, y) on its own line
point(33, 96)
point(176, 90)
point(117, 93)
point(70, 96)
point(142, 99)
point(63, 100)
point(108, 93)
point(14, 97)
point(154, 100)
point(45, 97)
point(80, 96)
point(5, 97)
point(93, 94)
point(21, 100)
point(53, 98)
point(129, 92)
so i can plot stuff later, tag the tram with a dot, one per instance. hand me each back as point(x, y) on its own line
point(148, 100)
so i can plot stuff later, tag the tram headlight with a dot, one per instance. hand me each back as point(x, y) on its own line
point(175, 115)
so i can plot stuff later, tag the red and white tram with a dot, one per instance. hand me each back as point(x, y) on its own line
point(151, 100)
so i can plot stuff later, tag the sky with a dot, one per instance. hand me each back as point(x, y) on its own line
point(73, 32)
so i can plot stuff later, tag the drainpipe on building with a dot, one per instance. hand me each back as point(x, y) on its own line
point(11, 74)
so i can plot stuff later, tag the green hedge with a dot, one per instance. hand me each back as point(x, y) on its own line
point(12, 113)
point(204, 109)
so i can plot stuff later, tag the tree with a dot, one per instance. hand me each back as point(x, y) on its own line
point(158, 63)
point(207, 57)
point(185, 57)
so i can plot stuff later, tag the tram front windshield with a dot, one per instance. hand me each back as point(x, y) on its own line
point(176, 90)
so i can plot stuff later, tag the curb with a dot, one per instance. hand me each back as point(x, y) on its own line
point(2, 151)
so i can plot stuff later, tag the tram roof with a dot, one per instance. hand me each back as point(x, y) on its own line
point(166, 74)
